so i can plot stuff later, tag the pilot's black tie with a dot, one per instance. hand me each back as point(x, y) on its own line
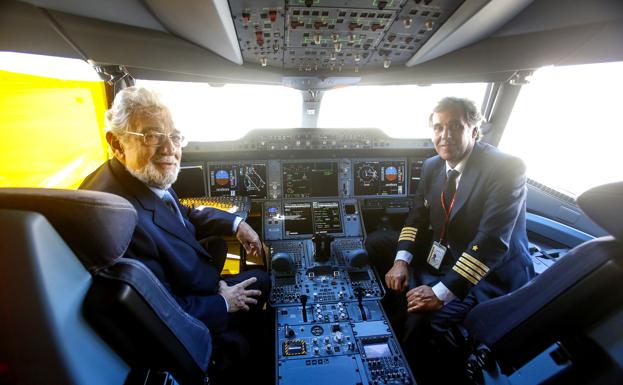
point(450, 189)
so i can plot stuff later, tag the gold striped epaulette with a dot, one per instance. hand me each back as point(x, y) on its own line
point(470, 268)
point(408, 234)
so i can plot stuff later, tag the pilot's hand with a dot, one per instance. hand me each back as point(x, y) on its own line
point(397, 278)
point(249, 239)
point(237, 296)
point(422, 298)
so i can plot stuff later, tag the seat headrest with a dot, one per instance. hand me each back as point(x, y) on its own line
point(96, 226)
point(604, 205)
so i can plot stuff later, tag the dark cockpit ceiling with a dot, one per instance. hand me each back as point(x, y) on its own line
point(421, 41)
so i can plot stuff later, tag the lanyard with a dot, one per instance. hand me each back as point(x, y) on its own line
point(446, 216)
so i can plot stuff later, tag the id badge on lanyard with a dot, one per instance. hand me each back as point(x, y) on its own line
point(436, 254)
point(438, 249)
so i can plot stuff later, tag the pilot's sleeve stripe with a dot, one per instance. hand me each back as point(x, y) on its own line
point(408, 234)
point(475, 262)
point(464, 275)
point(469, 270)
point(472, 266)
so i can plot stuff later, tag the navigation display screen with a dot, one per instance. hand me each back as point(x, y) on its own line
point(309, 179)
point(244, 179)
point(380, 177)
point(297, 218)
point(327, 217)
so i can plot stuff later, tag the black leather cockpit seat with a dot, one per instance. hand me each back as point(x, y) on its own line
point(64, 283)
point(580, 292)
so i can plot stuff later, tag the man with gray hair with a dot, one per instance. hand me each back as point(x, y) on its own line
point(147, 150)
point(473, 198)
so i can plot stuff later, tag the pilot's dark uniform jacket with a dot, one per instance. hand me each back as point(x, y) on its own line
point(172, 250)
point(487, 245)
point(486, 256)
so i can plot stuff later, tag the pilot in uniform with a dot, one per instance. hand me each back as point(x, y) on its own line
point(472, 197)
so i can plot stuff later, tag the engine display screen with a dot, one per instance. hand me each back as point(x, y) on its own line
point(380, 178)
point(241, 179)
point(298, 218)
point(309, 179)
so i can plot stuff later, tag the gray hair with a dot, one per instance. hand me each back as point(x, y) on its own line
point(471, 114)
point(127, 103)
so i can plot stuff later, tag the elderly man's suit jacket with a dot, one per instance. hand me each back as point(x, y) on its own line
point(486, 232)
point(169, 248)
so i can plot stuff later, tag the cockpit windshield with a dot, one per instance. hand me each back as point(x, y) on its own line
point(226, 112)
point(207, 113)
point(400, 111)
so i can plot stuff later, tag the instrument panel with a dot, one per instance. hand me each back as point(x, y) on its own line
point(307, 178)
point(307, 190)
point(329, 322)
point(273, 164)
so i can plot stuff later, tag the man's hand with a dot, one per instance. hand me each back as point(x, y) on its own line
point(397, 278)
point(422, 298)
point(237, 297)
point(249, 239)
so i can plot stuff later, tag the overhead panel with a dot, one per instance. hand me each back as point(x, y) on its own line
point(321, 36)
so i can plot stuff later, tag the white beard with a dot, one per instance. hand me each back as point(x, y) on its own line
point(153, 177)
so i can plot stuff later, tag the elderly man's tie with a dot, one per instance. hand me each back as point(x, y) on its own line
point(170, 202)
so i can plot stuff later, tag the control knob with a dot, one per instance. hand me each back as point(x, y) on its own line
point(338, 337)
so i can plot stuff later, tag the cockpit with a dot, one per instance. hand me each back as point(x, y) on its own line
point(310, 120)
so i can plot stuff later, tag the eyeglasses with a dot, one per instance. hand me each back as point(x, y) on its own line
point(154, 139)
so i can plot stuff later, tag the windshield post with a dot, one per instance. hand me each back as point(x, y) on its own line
point(311, 108)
